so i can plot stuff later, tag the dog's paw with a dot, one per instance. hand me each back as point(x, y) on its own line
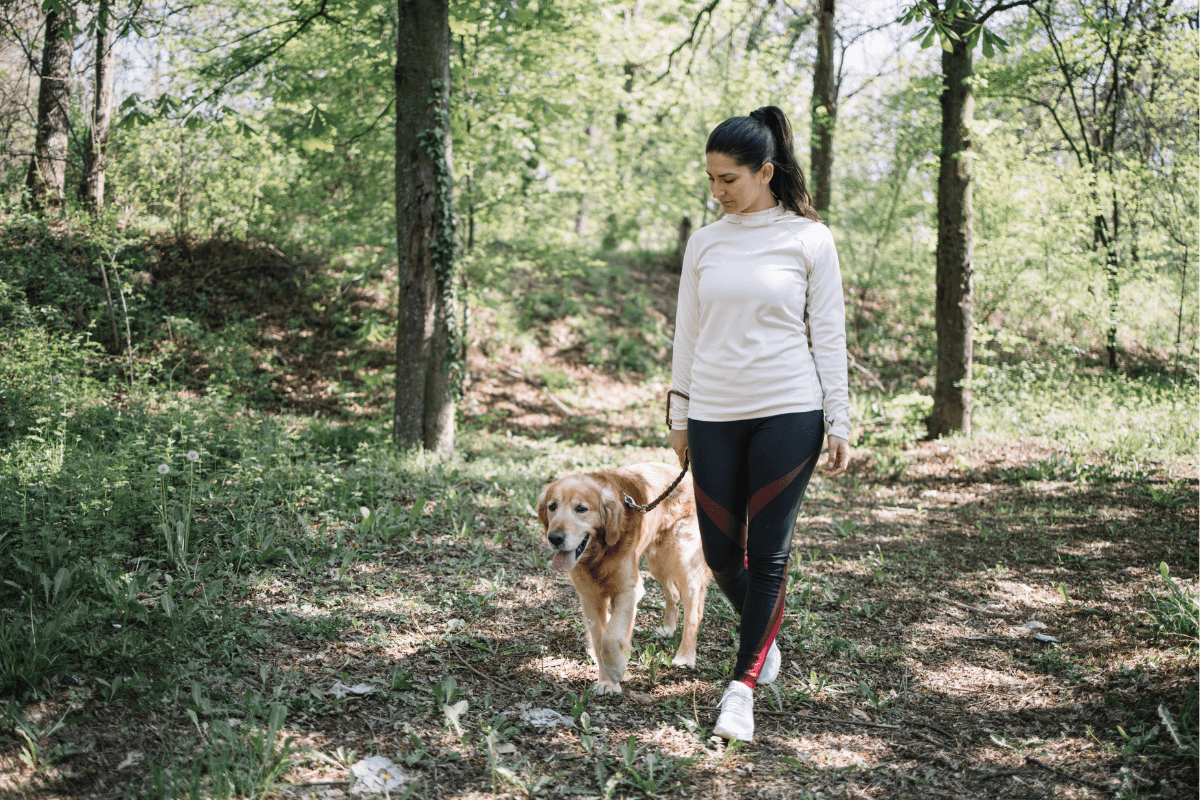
point(664, 631)
point(604, 687)
point(681, 660)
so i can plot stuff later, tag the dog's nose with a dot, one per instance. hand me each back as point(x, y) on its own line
point(556, 538)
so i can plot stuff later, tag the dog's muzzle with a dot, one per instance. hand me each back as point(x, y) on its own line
point(565, 560)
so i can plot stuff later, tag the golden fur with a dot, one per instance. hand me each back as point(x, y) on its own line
point(588, 509)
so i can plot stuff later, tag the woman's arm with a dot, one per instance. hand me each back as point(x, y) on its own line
point(683, 351)
point(827, 333)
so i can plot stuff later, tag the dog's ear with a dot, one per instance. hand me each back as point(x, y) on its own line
point(614, 515)
point(541, 506)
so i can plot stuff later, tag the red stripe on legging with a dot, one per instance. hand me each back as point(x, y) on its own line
point(750, 678)
point(772, 490)
point(720, 517)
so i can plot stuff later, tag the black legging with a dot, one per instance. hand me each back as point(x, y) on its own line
point(750, 477)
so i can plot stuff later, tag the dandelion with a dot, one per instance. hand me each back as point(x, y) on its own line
point(163, 469)
point(366, 512)
point(192, 455)
point(12, 423)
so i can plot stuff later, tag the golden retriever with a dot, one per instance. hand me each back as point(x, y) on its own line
point(599, 542)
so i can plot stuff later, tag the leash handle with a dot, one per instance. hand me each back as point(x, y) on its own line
point(669, 393)
point(646, 509)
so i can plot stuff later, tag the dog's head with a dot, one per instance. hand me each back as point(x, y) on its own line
point(577, 510)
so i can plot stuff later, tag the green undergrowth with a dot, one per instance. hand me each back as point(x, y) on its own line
point(604, 309)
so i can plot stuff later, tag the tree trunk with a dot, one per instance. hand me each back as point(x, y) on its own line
point(48, 167)
point(1112, 268)
point(954, 311)
point(424, 414)
point(96, 152)
point(824, 109)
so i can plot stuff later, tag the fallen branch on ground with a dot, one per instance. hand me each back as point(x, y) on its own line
point(966, 607)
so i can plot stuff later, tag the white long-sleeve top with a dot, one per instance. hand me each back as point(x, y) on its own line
point(741, 345)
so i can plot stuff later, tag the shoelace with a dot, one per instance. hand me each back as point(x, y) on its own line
point(736, 703)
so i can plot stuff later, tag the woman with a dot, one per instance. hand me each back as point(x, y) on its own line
point(751, 403)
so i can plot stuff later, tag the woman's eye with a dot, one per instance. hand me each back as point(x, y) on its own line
point(580, 509)
point(731, 180)
point(553, 506)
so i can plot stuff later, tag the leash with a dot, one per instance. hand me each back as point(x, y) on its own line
point(646, 509)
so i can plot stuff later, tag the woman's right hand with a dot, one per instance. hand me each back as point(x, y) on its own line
point(678, 442)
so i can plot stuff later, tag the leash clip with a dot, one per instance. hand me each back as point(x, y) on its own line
point(629, 501)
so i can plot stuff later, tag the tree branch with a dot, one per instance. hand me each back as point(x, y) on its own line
point(1003, 7)
point(372, 126)
point(1053, 113)
point(707, 10)
point(262, 57)
point(1061, 59)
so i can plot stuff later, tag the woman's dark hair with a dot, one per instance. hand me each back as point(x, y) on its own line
point(766, 136)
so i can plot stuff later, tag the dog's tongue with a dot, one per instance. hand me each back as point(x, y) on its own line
point(564, 560)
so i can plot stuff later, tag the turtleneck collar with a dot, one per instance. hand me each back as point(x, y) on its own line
point(756, 219)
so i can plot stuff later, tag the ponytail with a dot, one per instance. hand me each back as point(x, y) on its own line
point(766, 136)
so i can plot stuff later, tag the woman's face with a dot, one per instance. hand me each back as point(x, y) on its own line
point(736, 188)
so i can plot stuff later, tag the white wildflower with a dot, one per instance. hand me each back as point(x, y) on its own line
point(192, 455)
point(163, 469)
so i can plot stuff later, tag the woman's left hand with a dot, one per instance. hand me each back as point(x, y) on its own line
point(838, 458)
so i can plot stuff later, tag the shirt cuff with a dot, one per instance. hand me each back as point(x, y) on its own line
point(679, 413)
point(838, 425)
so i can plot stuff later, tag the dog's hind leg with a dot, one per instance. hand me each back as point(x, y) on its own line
point(666, 579)
point(693, 612)
point(670, 611)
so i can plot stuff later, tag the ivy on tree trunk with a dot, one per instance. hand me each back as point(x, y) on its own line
point(426, 355)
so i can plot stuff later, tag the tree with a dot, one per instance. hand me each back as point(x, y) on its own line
point(959, 25)
point(47, 168)
point(1099, 77)
point(824, 108)
point(95, 154)
point(426, 244)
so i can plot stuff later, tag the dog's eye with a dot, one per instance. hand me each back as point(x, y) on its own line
point(580, 509)
point(553, 506)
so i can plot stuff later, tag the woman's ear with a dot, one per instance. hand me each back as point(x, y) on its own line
point(614, 515)
point(766, 173)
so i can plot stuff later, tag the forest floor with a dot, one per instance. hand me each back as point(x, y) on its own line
point(959, 624)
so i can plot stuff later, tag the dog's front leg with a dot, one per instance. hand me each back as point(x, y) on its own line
point(616, 642)
point(595, 617)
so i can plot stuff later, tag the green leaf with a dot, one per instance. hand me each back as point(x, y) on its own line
point(928, 40)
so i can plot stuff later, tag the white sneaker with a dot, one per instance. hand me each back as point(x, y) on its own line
point(770, 670)
point(737, 713)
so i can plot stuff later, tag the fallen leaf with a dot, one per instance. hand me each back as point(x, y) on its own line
point(546, 718)
point(340, 690)
point(377, 775)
